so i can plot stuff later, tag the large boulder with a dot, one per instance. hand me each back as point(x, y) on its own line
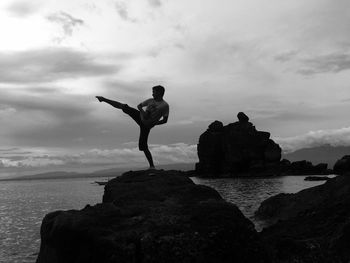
point(236, 149)
point(342, 166)
point(312, 225)
point(159, 216)
point(210, 149)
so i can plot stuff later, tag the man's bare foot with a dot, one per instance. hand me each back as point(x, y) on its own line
point(100, 98)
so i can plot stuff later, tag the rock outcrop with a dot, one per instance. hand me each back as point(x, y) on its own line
point(342, 166)
point(236, 149)
point(306, 168)
point(316, 178)
point(159, 216)
point(313, 225)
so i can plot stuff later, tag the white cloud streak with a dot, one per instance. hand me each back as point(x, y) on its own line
point(50, 64)
point(155, 3)
point(162, 154)
point(335, 137)
point(68, 23)
point(331, 63)
point(23, 8)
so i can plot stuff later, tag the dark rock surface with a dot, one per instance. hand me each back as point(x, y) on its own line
point(210, 149)
point(236, 149)
point(307, 168)
point(316, 178)
point(342, 166)
point(157, 216)
point(313, 226)
point(242, 118)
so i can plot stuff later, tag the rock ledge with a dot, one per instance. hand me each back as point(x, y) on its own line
point(157, 216)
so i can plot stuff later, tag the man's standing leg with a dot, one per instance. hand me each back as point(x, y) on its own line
point(143, 146)
point(149, 158)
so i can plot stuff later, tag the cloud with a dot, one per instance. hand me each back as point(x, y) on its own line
point(30, 162)
point(11, 151)
point(191, 120)
point(335, 137)
point(175, 153)
point(155, 3)
point(58, 105)
point(301, 114)
point(345, 100)
point(39, 90)
point(50, 64)
point(162, 154)
point(123, 12)
point(129, 91)
point(68, 23)
point(285, 56)
point(6, 111)
point(331, 63)
point(23, 8)
point(43, 119)
point(25, 157)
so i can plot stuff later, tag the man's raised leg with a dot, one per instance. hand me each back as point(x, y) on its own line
point(114, 103)
point(135, 115)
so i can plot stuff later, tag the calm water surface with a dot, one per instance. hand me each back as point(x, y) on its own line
point(23, 204)
point(248, 193)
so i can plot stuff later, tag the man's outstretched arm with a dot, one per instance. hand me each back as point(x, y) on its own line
point(114, 103)
point(140, 108)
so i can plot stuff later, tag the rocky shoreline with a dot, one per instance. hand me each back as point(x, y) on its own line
point(310, 226)
point(163, 216)
point(147, 216)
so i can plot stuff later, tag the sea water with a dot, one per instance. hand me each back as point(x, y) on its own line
point(23, 204)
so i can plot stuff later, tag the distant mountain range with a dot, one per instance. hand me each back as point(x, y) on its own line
point(100, 173)
point(321, 154)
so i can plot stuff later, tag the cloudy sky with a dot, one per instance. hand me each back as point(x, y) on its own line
point(284, 63)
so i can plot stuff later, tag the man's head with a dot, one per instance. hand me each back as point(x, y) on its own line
point(158, 92)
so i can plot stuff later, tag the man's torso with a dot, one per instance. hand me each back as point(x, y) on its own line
point(155, 110)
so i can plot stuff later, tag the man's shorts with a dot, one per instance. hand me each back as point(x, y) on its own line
point(144, 131)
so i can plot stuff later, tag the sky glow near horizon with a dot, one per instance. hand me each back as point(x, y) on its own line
point(284, 63)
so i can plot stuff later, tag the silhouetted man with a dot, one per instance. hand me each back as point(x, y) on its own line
point(156, 113)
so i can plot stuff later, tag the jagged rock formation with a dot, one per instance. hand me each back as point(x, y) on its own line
point(342, 166)
point(236, 148)
point(313, 225)
point(145, 217)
